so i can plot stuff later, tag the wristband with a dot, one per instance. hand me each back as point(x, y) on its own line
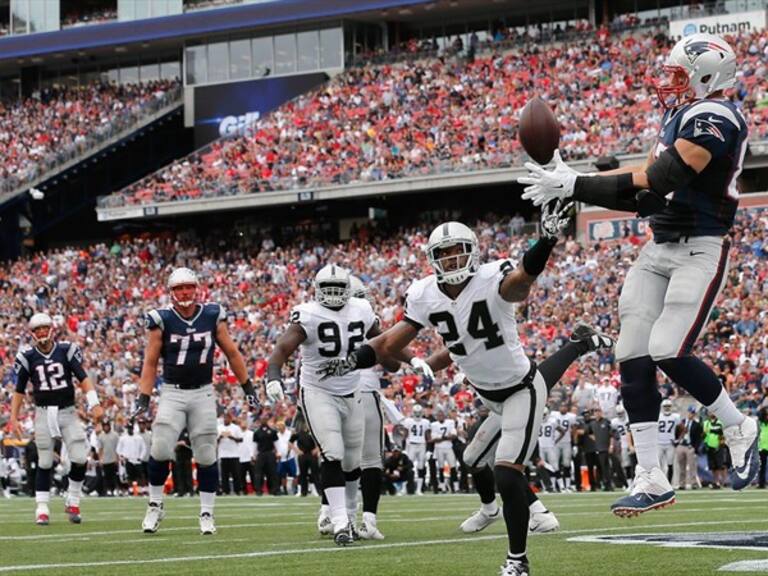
point(92, 399)
point(535, 258)
point(274, 372)
point(365, 357)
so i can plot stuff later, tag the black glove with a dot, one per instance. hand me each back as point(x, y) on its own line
point(142, 405)
point(250, 394)
point(338, 367)
point(555, 217)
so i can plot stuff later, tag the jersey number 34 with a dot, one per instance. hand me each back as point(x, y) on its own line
point(480, 327)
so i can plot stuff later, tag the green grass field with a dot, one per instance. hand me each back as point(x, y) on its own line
point(272, 535)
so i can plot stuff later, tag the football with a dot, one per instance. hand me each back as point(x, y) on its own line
point(539, 130)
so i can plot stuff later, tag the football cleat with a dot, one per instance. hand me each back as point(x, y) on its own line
point(591, 337)
point(74, 514)
point(42, 519)
point(207, 526)
point(742, 443)
point(543, 522)
point(650, 491)
point(479, 521)
point(368, 531)
point(344, 537)
point(155, 513)
point(325, 526)
point(515, 568)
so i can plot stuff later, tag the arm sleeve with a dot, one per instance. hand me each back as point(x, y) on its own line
point(411, 312)
point(153, 320)
point(75, 358)
point(21, 368)
point(716, 131)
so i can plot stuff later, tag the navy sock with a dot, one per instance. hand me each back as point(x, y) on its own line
point(77, 472)
point(370, 486)
point(693, 375)
point(158, 472)
point(208, 478)
point(639, 389)
point(43, 480)
point(485, 484)
point(513, 488)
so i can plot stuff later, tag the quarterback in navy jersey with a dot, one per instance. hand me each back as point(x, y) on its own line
point(183, 337)
point(52, 368)
point(688, 188)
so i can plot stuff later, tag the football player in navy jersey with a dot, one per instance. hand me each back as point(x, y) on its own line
point(51, 367)
point(688, 188)
point(183, 336)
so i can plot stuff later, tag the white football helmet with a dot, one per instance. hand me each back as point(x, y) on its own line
point(545, 414)
point(697, 66)
point(418, 410)
point(359, 290)
point(620, 410)
point(464, 263)
point(182, 277)
point(666, 406)
point(332, 286)
point(41, 320)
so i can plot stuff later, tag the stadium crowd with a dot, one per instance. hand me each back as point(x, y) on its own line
point(59, 124)
point(98, 295)
point(411, 118)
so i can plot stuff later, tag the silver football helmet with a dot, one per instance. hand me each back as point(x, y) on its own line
point(697, 66)
point(359, 290)
point(332, 286)
point(457, 267)
point(666, 406)
point(183, 277)
point(418, 410)
point(41, 320)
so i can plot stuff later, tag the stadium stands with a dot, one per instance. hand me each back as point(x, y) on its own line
point(386, 121)
point(60, 124)
point(98, 295)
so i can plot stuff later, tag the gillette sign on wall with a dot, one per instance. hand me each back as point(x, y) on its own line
point(722, 24)
point(228, 110)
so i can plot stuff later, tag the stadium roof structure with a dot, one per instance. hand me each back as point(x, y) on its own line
point(194, 24)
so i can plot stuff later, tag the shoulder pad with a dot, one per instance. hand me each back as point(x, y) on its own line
point(714, 110)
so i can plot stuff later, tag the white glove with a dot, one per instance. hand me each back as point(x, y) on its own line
point(275, 391)
point(546, 185)
point(422, 367)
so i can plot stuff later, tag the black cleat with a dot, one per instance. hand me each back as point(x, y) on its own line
point(591, 337)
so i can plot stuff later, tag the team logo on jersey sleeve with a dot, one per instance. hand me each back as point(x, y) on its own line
point(703, 127)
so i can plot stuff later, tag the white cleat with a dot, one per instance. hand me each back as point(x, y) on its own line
point(368, 531)
point(207, 525)
point(543, 522)
point(325, 526)
point(479, 521)
point(155, 513)
point(742, 443)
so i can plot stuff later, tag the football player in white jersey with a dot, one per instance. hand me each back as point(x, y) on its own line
point(416, 427)
point(472, 307)
point(668, 422)
point(334, 325)
point(607, 398)
point(547, 435)
point(623, 439)
point(442, 432)
point(564, 423)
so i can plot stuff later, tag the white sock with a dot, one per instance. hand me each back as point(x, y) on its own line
point(75, 489)
point(537, 507)
point(350, 497)
point(206, 502)
point(325, 510)
point(490, 509)
point(369, 518)
point(337, 507)
point(42, 499)
point(419, 482)
point(156, 494)
point(724, 408)
point(646, 437)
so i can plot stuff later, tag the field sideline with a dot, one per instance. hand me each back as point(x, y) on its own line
point(277, 536)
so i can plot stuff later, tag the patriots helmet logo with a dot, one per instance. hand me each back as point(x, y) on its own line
point(698, 47)
point(703, 127)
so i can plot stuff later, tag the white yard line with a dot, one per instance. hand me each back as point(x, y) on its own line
point(359, 548)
